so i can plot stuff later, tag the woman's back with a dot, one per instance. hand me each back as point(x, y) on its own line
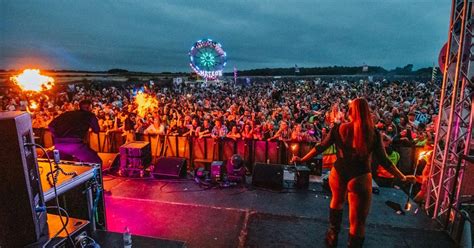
point(346, 141)
point(350, 162)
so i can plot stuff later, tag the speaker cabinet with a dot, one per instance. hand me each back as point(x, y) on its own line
point(302, 177)
point(268, 176)
point(135, 157)
point(20, 186)
point(170, 167)
point(110, 162)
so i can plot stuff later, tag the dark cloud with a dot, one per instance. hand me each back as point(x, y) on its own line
point(156, 35)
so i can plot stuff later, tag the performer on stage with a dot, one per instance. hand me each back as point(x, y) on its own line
point(69, 130)
point(356, 142)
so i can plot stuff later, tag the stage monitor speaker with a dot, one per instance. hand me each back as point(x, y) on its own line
point(110, 162)
point(302, 177)
point(21, 196)
point(268, 176)
point(170, 167)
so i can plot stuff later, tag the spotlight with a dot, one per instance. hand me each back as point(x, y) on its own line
point(236, 169)
point(237, 162)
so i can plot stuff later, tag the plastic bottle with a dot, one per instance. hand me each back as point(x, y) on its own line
point(127, 238)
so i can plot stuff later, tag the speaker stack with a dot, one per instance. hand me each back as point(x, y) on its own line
point(21, 196)
point(135, 157)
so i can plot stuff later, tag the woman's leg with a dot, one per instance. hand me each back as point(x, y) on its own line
point(338, 189)
point(360, 196)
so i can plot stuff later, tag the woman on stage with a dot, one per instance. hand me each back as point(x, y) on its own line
point(356, 142)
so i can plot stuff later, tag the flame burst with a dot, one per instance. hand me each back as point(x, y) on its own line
point(293, 147)
point(33, 105)
point(144, 103)
point(32, 80)
point(424, 154)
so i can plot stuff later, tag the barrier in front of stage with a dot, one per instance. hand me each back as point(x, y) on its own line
point(204, 150)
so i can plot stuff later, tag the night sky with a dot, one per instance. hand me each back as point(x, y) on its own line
point(155, 35)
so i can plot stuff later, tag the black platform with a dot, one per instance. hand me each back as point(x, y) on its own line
point(247, 217)
point(115, 240)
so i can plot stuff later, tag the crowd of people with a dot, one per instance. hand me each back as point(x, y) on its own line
point(267, 109)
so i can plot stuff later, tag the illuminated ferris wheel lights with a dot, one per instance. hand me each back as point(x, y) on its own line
point(208, 59)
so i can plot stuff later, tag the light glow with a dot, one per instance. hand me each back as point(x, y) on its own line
point(293, 147)
point(32, 80)
point(33, 105)
point(144, 103)
point(424, 154)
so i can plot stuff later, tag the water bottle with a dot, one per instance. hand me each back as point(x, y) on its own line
point(127, 238)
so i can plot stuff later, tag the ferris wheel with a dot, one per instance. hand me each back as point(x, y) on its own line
point(207, 59)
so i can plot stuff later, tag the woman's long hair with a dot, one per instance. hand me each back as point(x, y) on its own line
point(363, 126)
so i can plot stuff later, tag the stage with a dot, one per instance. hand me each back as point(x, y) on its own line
point(248, 217)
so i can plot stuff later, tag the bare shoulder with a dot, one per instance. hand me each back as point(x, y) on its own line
point(344, 127)
point(344, 130)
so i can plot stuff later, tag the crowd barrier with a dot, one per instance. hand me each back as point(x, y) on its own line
point(199, 151)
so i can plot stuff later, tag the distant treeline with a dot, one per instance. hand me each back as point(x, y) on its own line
point(336, 70)
point(303, 71)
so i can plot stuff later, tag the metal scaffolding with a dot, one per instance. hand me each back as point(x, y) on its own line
point(455, 118)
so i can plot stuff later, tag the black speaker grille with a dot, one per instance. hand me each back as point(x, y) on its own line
point(268, 176)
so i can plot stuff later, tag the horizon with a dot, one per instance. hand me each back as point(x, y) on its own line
point(227, 72)
point(155, 37)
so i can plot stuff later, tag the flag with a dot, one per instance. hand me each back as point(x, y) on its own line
point(434, 74)
point(297, 70)
point(235, 75)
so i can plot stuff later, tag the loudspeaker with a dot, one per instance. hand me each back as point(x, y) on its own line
point(135, 157)
point(302, 177)
point(170, 167)
point(268, 176)
point(21, 194)
point(110, 162)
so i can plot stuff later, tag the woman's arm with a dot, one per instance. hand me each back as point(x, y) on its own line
point(277, 135)
point(318, 149)
point(383, 159)
point(306, 157)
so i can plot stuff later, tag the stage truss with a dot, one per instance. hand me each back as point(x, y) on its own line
point(455, 118)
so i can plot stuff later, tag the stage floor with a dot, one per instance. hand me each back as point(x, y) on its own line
point(247, 217)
